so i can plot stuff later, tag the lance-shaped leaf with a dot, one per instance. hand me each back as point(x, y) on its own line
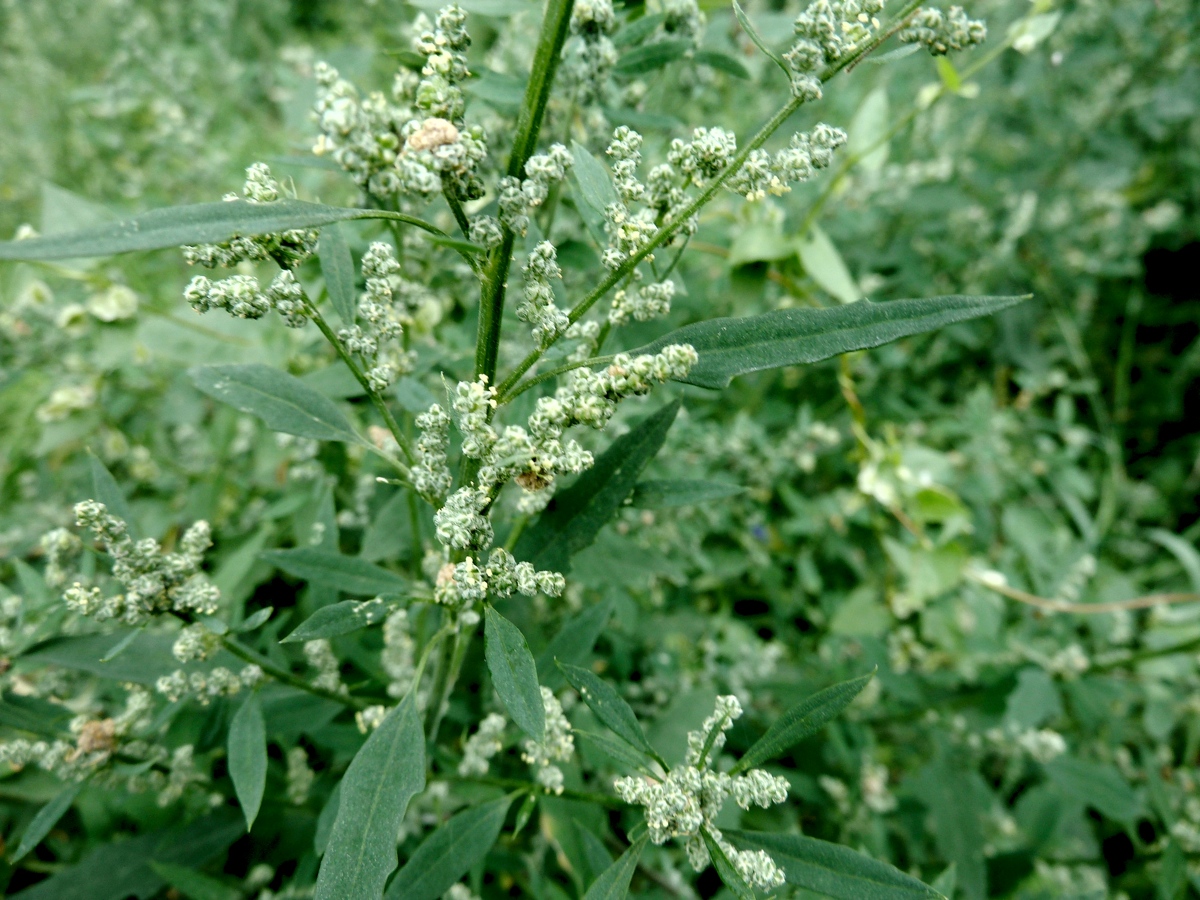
point(613, 882)
point(573, 641)
point(282, 401)
point(337, 265)
point(725, 868)
point(680, 492)
point(107, 491)
point(383, 776)
point(805, 718)
point(47, 817)
point(789, 337)
point(752, 33)
point(514, 673)
point(831, 869)
point(350, 574)
point(248, 757)
point(575, 516)
point(609, 708)
point(649, 57)
point(338, 618)
point(194, 885)
point(450, 852)
point(201, 223)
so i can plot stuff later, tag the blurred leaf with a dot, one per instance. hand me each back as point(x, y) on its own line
point(613, 883)
point(514, 673)
point(106, 490)
point(868, 132)
point(337, 265)
point(573, 642)
point(1034, 701)
point(639, 29)
point(649, 57)
point(725, 868)
point(805, 718)
point(248, 756)
point(831, 869)
point(337, 618)
point(1027, 32)
point(789, 337)
point(326, 819)
point(682, 492)
point(47, 817)
point(450, 852)
point(148, 657)
point(383, 776)
point(722, 62)
point(825, 266)
point(1099, 785)
point(350, 574)
point(752, 33)
point(595, 184)
point(282, 401)
point(1184, 552)
point(576, 514)
point(954, 795)
point(194, 885)
point(610, 708)
point(759, 242)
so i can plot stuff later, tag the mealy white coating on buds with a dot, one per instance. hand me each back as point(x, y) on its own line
point(399, 654)
point(557, 745)
point(195, 642)
point(300, 776)
point(289, 248)
point(206, 686)
point(704, 157)
point(382, 315)
point(517, 199)
point(320, 656)
point(505, 577)
point(689, 799)
point(480, 747)
point(591, 398)
point(538, 308)
point(942, 32)
point(826, 31)
point(474, 402)
point(486, 232)
point(461, 524)
point(60, 548)
point(242, 298)
point(643, 303)
point(764, 174)
point(430, 471)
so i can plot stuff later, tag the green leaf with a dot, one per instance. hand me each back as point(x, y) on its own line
point(106, 490)
point(458, 244)
point(255, 620)
point(574, 641)
point(869, 130)
point(450, 852)
point(609, 707)
point(752, 33)
point(831, 869)
point(680, 492)
point(613, 882)
point(514, 673)
point(789, 337)
point(573, 518)
point(726, 869)
point(33, 714)
point(1183, 551)
point(120, 646)
point(615, 749)
point(194, 885)
point(326, 819)
point(649, 57)
point(147, 658)
point(383, 776)
point(595, 184)
point(282, 401)
point(721, 62)
point(635, 31)
point(1098, 785)
point(201, 223)
point(47, 817)
point(338, 618)
point(825, 266)
point(346, 573)
point(122, 869)
point(805, 718)
point(248, 757)
point(337, 265)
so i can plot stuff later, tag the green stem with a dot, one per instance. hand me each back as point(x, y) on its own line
point(514, 784)
point(457, 655)
point(241, 651)
point(669, 230)
point(546, 376)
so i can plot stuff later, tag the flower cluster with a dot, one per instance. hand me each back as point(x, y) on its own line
point(241, 297)
point(683, 19)
point(155, 582)
point(538, 309)
point(399, 653)
point(430, 472)
point(688, 800)
point(556, 746)
point(826, 31)
point(480, 747)
point(628, 230)
point(319, 654)
point(940, 32)
point(646, 302)
point(207, 686)
point(591, 54)
point(704, 157)
point(517, 198)
point(462, 585)
point(288, 248)
point(382, 318)
point(764, 174)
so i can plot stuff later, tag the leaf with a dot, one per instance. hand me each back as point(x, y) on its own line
point(337, 265)
point(725, 868)
point(514, 673)
point(33, 714)
point(346, 573)
point(106, 490)
point(148, 657)
point(453, 243)
point(722, 62)
point(613, 882)
point(338, 618)
point(825, 265)
point(47, 817)
point(282, 401)
point(787, 337)
point(595, 184)
point(635, 31)
point(680, 492)
point(248, 756)
point(609, 707)
point(573, 518)
point(649, 57)
point(1027, 32)
point(383, 776)
point(175, 226)
point(326, 819)
point(1098, 785)
point(194, 885)
point(760, 242)
point(120, 870)
point(805, 718)
point(752, 33)
point(1183, 551)
point(255, 620)
point(574, 641)
point(831, 869)
point(450, 852)
point(615, 749)
point(869, 130)
point(120, 646)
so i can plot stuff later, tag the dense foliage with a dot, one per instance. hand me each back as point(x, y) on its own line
point(381, 579)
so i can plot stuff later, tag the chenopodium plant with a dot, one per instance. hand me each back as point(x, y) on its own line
point(407, 152)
